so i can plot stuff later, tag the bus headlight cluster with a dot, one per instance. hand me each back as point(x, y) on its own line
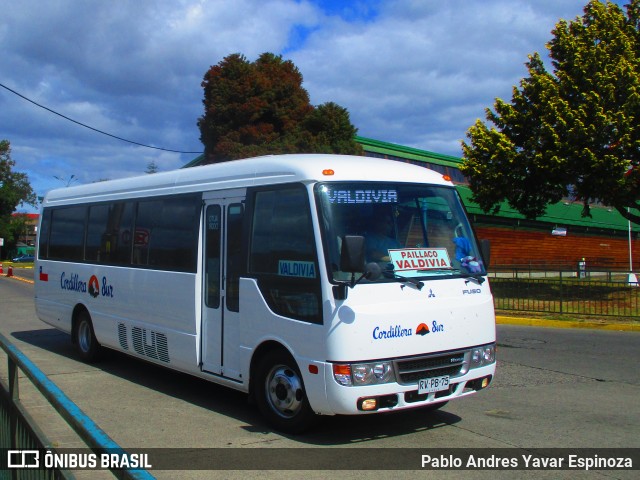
point(483, 355)
point(359, 374)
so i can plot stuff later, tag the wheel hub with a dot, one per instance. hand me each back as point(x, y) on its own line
point(284, 391)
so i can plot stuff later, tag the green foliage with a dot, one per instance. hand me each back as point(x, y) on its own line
point(571, 133)
point(259, 108)
point(152, 167)
point(14, 186)
point(14, 190)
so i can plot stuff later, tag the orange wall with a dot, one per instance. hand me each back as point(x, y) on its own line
point(511, 246)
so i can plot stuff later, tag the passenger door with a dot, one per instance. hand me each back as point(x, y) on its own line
point(220, 340)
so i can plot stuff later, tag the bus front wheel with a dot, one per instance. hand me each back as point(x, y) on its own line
point(280, 393)
point(85, 339)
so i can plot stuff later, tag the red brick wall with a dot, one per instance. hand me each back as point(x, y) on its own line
point(512, 246)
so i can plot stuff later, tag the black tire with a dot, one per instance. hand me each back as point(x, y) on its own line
point(85, 339)
point(280, 394)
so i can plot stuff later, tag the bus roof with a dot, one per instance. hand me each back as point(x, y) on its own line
point(267, 170)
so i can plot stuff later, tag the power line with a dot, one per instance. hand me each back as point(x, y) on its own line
point(89, 127)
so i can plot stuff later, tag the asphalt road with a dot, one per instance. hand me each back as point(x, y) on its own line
point(555, 388)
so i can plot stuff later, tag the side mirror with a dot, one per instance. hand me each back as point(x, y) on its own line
point(352, 260)
point(352, 255)
point(485, 251)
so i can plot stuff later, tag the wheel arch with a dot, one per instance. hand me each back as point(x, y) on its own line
point(259, 353)
point(77, 310)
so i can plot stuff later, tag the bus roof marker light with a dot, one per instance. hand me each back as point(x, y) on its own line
point(446, 177)
point(328, 172)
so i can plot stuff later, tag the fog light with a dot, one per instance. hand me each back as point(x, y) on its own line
point(485, 382)
point(368, 404)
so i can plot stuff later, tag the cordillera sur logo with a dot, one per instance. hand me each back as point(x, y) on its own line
point(73, 283)
point(393, 331)
point(397, 331)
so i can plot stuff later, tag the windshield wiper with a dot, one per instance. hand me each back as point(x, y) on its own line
point(412, 281)
point(477, 278)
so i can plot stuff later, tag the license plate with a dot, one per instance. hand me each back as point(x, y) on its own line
point(434, 384)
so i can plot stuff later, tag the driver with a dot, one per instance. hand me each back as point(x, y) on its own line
point(381, 239)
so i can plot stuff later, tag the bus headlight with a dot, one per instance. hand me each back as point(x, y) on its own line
point(483, 355)
point(359, 374)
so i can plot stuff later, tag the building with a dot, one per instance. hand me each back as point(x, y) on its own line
point(26, 241)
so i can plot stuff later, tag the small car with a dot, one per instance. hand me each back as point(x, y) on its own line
point(24, 259)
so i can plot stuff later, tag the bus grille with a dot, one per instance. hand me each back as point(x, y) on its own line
point(150, 344)
point(409, 371)
point(122, 336)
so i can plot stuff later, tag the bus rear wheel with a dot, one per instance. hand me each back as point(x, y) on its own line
point(280, 393)
point(85, 339)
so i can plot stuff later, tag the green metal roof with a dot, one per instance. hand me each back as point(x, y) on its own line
point(195, 162)
point(561, 214)
point(386, 148)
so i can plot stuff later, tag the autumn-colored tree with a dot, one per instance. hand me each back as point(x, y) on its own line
point(259, 108)
point(571, 133)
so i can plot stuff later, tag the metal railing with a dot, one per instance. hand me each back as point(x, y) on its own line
point(580, 292)
point(18, 430)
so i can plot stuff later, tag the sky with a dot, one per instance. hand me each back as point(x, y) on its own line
point(412, 72)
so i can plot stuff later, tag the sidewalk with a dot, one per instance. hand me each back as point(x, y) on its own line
point(611, 323)
point(606, 323)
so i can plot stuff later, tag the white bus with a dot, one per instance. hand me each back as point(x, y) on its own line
point(318, 284)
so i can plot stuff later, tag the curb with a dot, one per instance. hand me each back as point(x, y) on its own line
point(536, 322)
point(22, 279)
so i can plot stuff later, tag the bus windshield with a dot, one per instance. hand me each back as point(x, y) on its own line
point(410, 230)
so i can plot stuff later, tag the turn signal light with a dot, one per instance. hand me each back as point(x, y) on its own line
point(368, 404)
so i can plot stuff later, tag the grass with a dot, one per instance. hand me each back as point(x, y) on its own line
point(567, 296)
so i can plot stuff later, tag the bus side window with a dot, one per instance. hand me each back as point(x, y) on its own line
point(96, 226)
point(235, 213)
point(212, 265)
point(283, 253)
point(117, 239)
point(43, 239)
point(66, 241)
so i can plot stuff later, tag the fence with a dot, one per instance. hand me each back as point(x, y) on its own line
point(18, 431)
point(577, 292)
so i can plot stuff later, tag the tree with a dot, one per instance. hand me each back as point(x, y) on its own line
point(259, 108)
point(571, 133)
point(14, 186)
point(14, 190)
point(152, 167)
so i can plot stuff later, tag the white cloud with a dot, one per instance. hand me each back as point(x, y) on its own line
point(425, 70)
point(415, 72)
